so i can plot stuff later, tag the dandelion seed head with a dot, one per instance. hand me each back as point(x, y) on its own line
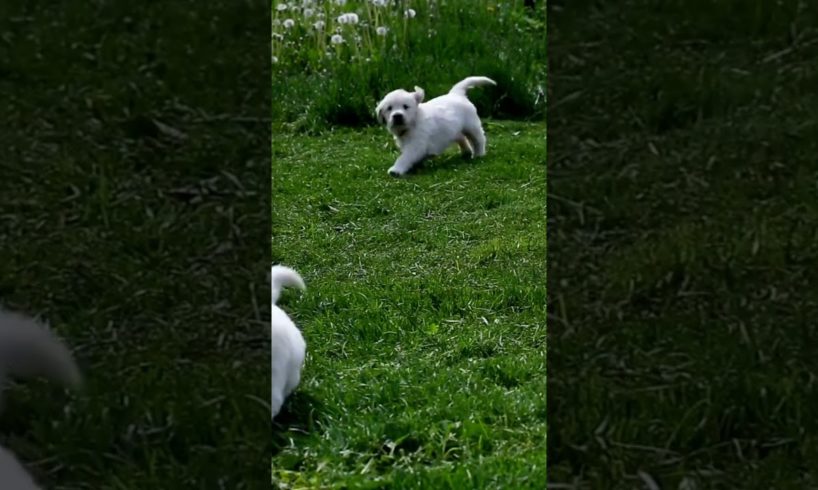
point(281, 7)
point(288, 23)
point(308, 13)
point(348, 18)
point(336, 39)
point(381, 31)
point(319, 25)
point(410, 14)
point(340, 2)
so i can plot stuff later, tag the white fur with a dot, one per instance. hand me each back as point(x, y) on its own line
point(281, 276)
point(29, 349)
point(288, 345)
point(12, 474)
point(424, 129)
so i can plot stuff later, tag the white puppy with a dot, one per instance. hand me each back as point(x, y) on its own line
point(29, 349)
point(12, 474)
point(288, 344)
point(428, 129)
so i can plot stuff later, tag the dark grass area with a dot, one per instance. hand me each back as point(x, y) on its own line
point(134, 156)
point(682, 258)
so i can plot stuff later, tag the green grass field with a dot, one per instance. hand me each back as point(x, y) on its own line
point(425, 308)
point(317, 83)
point(682, 231)
point(424, 313)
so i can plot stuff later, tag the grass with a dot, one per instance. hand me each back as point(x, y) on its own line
point(424, 313)
point(681, 245)
point(144, 249)
point(317, 83)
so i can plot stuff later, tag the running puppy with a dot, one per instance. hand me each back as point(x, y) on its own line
point(288, 346)
point(423, 129)
point(28, 349)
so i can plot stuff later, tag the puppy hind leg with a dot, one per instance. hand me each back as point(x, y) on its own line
point(465, 147)
point(477, 139)
point(293, 381)
point(276, 401)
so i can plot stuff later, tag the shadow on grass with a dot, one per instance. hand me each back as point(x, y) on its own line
point(300, 414)
point(20, 405)
point(434, 164)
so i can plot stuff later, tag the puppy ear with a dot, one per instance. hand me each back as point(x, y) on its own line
point(419, 94)
point(379, 113)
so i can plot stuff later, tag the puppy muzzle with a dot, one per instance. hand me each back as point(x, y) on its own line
point(398, 119)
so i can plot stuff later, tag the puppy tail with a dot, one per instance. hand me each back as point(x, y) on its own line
point(281, 276)
point(29, 349)
point(467, 83)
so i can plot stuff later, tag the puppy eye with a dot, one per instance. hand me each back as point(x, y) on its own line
point(389, 108)
point(405, 106)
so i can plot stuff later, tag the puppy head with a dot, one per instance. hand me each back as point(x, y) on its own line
point(399, 110)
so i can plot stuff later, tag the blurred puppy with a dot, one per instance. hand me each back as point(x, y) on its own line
point(428, 129)
point(28, 349)
point(288, 346)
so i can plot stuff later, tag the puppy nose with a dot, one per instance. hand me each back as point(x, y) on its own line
point(397, 118)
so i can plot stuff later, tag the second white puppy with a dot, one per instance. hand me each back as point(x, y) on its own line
point(29, 349)
point(428, 129)
point(288, 345)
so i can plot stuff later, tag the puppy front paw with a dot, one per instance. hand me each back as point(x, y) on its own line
point(395, 172)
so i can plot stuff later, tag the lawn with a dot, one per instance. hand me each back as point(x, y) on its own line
point(317, 83)
point(424, 313)
point(133, 217)
point(682, 231)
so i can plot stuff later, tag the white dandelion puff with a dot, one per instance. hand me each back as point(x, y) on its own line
point(288, 23)
point(336, 39)
point(379, 3)
point(281, 7)
point(340, 2)
point(381, 31)
point(275, 59)
point(409, 14)
point(350, 18)
point(319, 25)
point(308, 13)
